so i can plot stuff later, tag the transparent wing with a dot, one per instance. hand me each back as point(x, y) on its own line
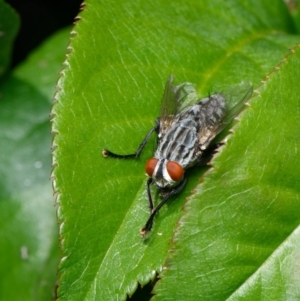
point(236, 96)
point(168, 107)
point(218, 110)
point(175, 99)
point(186, 95)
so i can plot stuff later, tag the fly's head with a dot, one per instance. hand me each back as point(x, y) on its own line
point(165, 173)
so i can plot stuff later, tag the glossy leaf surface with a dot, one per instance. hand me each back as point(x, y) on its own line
point(121, 55)
point(28, 227)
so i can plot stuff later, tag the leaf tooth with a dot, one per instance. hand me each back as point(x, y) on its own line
point(73, 33)
point(69, 49)
point(51, 174)
point(52, 115)
point(82, 6)
point(65, 64)
point(53, 128)
point(256, 92)
point(56, 203)
point(53, 146)
point(54, 184)
point(60, 219)
point(53, 165)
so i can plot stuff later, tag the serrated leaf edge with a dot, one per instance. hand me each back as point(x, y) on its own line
point(54, 147)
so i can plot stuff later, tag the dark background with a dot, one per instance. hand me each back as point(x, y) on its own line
point(40, 19)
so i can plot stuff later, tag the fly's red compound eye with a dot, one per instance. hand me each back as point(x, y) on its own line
point(150, 166)
point(175, 171)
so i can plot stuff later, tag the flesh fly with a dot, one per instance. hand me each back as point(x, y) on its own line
point(185, 129)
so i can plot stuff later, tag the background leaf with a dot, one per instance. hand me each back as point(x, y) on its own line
point(109, 96)
point(28, 236)
point(9, 25)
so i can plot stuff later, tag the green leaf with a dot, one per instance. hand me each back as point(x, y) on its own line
point(121, 55)
point(9, 25)
point(241, 229)
point(28, 227)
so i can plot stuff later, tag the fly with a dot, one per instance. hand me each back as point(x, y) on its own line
point(185, 130)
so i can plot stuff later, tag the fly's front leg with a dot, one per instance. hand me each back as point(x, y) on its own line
point(151, 205)
point(107, 153)
point(149, 222)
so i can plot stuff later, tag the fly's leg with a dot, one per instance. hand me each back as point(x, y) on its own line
point(208, 154)
point(107, 153)
point(151, 205)
point(149, 222)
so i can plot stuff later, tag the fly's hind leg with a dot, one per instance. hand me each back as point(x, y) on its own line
point(208, 154)
point(107, 153)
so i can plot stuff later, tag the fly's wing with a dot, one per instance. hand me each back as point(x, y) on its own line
point(168, 106)
point(175, 99)
point(218, 110)
point(236, 97)
point(186, 95)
